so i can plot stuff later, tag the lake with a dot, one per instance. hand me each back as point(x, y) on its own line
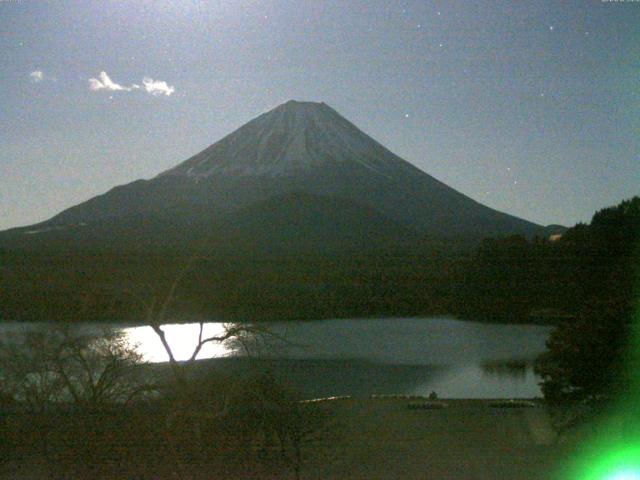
point(360, 357)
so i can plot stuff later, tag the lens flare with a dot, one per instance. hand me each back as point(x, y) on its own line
point(625, 475)
point(613, 450)
point(607, 462)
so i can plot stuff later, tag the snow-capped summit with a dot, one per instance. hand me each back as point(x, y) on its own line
point(292, 137)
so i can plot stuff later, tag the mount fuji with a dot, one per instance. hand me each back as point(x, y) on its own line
point(298, 176)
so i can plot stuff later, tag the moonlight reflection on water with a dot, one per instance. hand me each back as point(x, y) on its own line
point(454, 358)
point(182, 338)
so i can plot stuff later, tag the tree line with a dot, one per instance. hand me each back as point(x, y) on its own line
point(587, 283)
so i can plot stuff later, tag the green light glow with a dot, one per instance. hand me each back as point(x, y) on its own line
point(615, 462)
point(613, 453)
point(625, 475)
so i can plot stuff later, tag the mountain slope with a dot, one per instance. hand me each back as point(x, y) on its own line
point(301, 147)
point(302, 222)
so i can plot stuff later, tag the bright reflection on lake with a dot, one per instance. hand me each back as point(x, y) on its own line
point(456, 359)
point(182, 338)
point(360, 357)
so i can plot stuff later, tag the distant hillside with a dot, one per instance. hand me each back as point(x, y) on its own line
point(588, 266)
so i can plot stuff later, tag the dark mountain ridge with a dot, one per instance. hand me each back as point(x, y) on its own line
point(302, 148)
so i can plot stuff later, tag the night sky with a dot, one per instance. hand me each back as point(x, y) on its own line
point(532, 108)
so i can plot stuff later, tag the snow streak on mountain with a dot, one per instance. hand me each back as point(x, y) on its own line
point(293, 137)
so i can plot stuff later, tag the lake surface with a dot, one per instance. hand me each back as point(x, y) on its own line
point(412, 356)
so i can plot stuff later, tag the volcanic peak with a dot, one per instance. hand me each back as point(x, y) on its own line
point(295, 136)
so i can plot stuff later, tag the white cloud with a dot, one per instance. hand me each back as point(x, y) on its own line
point(157, 87)
point(103, 82)
point(154, 87)
point(36, 76)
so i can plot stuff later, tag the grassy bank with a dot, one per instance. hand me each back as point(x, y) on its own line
point(366, 439)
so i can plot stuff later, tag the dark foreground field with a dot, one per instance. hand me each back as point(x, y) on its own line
point(384, 439)
point(378, 439)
